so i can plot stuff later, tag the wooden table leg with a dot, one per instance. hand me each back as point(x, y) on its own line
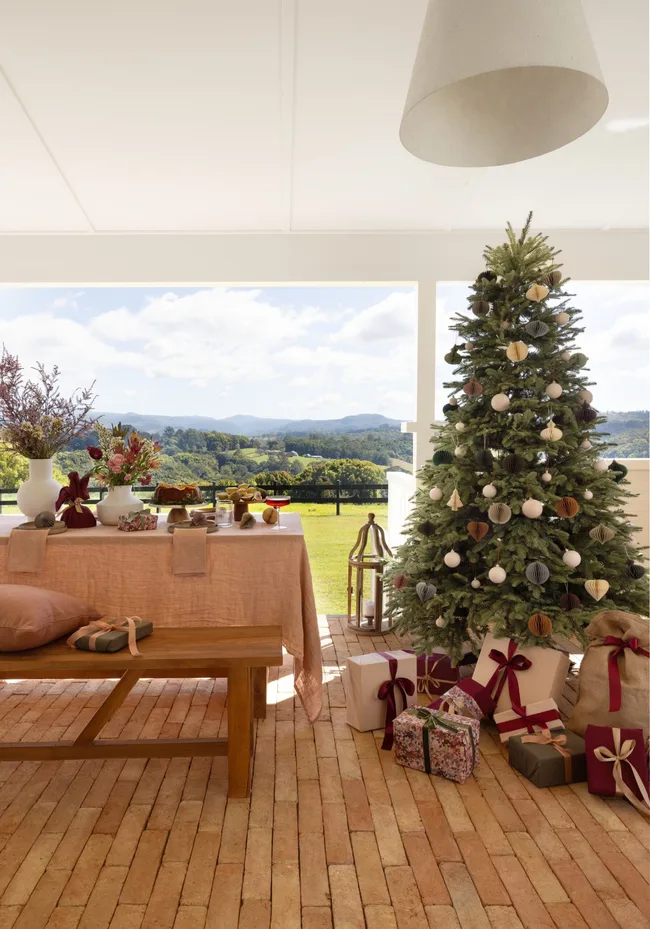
point(260, 683)
point(240, 731)
point(105, 711)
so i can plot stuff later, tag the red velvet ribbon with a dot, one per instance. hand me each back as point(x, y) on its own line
point(613, 669)
point(506, 670)
point(529, 720)
point(387, 692)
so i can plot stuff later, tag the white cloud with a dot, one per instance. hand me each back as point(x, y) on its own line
point(393, 318)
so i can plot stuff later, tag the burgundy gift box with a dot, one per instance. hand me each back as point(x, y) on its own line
point(435, 674)
point(617, 765)
point(469, 697)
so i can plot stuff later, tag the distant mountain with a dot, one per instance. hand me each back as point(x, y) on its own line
point(251, 425)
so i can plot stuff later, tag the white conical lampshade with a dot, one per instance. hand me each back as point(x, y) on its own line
point(501, 81)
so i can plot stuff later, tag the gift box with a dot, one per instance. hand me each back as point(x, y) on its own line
point(617, 765)
point(379, 686)
point(467, 698)
point(137, 521)
point(435, 674)
point(519, 720)
point(520, 676)
point(101, 636)
point(549, 759)
point(437, 742)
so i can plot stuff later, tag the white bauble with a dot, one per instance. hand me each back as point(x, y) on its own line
point(565, 356)
point(586, 445)
point(500, 402)
point(460, 451)
point(453, 401)
point(586, 396)
point(532, 508)
point(441, 622)
point(571, 558)
point(460, 427)
point(553, 390)
point(469, 346)
point(489, 491)
point(435, 493)
point(588, 494)
point(561, 318)
point(497, 575)
point(475, 583)
point(547, 476)
point(452, 559)
point(505, 325)
point(601, 464)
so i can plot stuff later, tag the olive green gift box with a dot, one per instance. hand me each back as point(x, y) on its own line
point(544, 765)
point(113, 640)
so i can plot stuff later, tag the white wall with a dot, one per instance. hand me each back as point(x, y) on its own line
point(423, 258)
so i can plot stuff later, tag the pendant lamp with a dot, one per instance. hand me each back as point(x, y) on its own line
point(502, 81)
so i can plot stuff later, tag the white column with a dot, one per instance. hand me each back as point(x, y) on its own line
point(426, 373)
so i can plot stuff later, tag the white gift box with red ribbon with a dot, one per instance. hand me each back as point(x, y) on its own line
point(362, 679)
point(532, 674)
point(534, 717)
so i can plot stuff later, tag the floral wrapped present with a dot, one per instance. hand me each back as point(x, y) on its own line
point(522, 719)
point(518, 676)
point(375, 684)
point(437, 742)
point(549, 759)
point(137, 521)
point(435, 674)
point(617, 765)
point(100, 636)
point(467, 698)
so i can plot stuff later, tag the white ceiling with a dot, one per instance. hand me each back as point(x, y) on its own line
point(276, 115)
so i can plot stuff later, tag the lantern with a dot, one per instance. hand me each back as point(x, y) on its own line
point(366, 582)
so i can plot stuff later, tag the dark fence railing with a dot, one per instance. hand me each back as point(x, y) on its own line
point(336, 493)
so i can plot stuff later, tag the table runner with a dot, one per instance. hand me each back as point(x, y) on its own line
point(259, 576)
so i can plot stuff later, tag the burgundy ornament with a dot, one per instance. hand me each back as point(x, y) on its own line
point(569, 602)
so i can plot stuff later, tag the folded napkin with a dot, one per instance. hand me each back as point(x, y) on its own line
point(26, 553)
point(190, 551)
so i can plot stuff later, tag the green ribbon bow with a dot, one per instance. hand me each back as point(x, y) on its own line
point(436, 720)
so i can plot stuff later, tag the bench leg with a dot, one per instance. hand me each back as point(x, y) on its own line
point(260, 683)
point(240, 731)
point(105, 711)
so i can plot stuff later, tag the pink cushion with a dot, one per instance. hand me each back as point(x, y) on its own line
point(30, 617)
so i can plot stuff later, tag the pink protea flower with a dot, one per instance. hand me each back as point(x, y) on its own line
point(115, 463)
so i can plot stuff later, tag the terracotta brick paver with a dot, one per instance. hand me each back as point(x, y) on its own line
point(334, 836)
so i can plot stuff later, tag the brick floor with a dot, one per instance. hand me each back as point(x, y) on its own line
point(335, 836)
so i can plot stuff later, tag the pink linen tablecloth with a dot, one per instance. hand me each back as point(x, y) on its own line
point(255, 576)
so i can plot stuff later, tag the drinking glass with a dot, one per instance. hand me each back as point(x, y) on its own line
point(277, 501)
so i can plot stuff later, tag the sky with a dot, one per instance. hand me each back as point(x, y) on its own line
point(314, 352)
point(296, 352)
point(616, 340)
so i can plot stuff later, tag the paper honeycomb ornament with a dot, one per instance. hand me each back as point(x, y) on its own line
point(472, 388)
point(552, 278)
point(484, 459)
point(536, 328)
point(478, 530)
point(540, 624)
point(480, 308)
point(400, 581)
point(597, 588)
point(517, 351)
point(442, 456)
point(601, 534)
point(513, 464)
point(567, 507)
point(537, 573)
point(426, 528)
point(569, 602)
point(551, 433)
point(453, 356)
point(579, 359)
point(425, 591)
point(454, 502)
point(537, 292)
point(448, 408)
point(618, 470)
point(586, 414)
point(500, 402)
point(634, 571)
point(499, 513)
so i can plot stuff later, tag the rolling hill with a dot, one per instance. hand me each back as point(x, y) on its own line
point(251, 425)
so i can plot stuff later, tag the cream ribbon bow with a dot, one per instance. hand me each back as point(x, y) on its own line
point(99, 627)
point(617, 757)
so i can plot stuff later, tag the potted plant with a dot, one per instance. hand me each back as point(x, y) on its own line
point(36, 421)
point(122, 459)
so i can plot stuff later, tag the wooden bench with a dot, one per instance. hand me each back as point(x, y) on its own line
point(238, 653)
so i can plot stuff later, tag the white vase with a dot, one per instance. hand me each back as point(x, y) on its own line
point(118, 502)
point(40, 491)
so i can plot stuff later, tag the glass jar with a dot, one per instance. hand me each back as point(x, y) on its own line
point(224, 513)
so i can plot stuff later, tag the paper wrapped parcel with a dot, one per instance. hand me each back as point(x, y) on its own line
point(362, 678)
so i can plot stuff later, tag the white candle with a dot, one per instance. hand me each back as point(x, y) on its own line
point(369, 609)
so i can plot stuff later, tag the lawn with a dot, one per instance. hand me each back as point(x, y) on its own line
point(329, 539)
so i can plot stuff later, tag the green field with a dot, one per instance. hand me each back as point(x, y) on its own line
point(329, 539)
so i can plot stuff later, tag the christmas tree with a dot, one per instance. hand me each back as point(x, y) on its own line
point(518, 521)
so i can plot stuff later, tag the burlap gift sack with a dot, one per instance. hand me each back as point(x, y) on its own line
point(614, 674)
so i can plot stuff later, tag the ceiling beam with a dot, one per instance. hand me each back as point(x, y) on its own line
point(287, 77)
